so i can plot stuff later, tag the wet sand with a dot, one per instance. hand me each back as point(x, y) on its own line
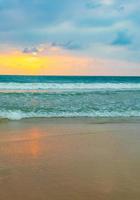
point(69, 159)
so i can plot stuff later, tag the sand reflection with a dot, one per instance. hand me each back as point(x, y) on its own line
point(34, 147)
point(25, 144)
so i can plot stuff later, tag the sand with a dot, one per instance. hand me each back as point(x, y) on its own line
point(69, 159)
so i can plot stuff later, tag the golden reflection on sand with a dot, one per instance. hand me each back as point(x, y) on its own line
point(26, 144)
point(34, 146)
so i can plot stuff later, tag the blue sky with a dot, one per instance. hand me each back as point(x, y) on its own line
point(96, 28)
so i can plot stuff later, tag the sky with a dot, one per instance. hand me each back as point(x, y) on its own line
point(70, 37)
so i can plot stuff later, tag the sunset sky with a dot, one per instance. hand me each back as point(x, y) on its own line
point(67, 37)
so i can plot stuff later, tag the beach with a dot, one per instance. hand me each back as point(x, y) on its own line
point(69, 100)
point(69, 159)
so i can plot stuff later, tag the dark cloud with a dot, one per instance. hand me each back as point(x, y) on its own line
point(28, 50)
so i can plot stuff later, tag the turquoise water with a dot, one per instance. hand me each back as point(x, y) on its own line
point(42, 96)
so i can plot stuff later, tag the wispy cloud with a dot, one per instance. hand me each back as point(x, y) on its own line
point(106, 29)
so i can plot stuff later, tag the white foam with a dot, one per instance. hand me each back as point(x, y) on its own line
point(18, 115)
point(69, 86)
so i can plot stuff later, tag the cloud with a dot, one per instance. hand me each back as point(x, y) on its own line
point(30, 50)
point(79, 26)
point(122, 38)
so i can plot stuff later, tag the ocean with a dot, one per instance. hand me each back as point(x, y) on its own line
point(69, 96)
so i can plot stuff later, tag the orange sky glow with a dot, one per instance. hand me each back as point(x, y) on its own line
point(61, 63)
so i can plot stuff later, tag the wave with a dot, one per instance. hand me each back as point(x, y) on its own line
point(67, 86)
point(18, 115)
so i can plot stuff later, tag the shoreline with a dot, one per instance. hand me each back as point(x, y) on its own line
point(93, 120)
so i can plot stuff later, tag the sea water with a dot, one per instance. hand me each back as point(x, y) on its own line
point(69, 96)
